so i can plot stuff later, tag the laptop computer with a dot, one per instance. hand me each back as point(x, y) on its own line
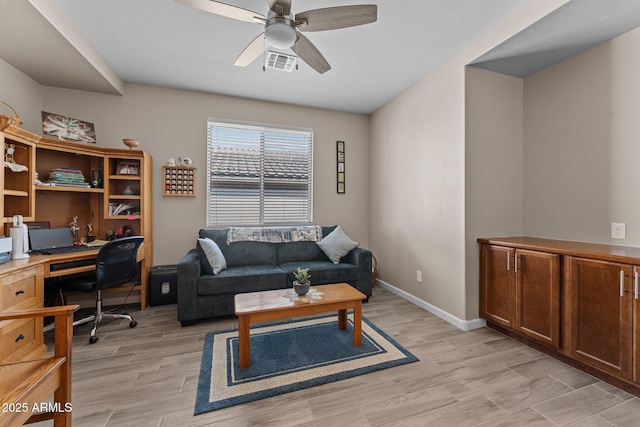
point(53, 241)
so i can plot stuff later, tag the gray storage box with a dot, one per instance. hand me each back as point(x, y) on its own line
point(163, 281)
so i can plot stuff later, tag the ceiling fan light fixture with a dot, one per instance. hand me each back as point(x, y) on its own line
point(280, 32)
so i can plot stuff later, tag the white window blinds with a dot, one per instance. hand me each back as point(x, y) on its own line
point(258, 175)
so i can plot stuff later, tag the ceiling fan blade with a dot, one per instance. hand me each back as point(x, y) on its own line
point(251, 52)
point(332, 18)
point(225, 10)
point(285, 4)
point(310, 54)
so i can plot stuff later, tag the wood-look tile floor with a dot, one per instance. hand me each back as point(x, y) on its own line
point(148, 375)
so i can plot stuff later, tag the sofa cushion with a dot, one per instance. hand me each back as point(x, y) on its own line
point(213, 260)
point(337, 244)
point(299, 251)
point(323, 272)
point(241, 253)
point(238, 279)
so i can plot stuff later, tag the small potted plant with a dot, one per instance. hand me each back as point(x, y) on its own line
point(302, 284)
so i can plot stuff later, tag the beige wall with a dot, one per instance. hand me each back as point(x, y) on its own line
point(418, 163)
point(582, 134)
point(172, 123)
point(24, 94)
point(494, 164)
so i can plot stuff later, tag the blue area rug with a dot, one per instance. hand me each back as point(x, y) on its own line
point(290, 356)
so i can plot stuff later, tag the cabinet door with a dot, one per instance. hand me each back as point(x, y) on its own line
point(497, 285)
point(600, 301)
point(538, 296)
point(636, 324)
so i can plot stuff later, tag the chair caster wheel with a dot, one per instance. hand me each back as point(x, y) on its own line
point(133, 324)
point(93, 339)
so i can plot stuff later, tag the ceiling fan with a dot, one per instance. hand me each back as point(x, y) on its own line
point(283, 31)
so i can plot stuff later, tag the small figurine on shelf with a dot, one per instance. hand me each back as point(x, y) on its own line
point(90, 236)
point(96, 178)
point(73, 225)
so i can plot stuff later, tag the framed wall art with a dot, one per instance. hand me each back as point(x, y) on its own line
point(340, 169)
point(67, 128)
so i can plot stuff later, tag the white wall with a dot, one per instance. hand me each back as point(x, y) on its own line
point(582, 133)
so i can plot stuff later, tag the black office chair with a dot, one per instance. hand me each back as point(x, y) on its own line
point(115, 265)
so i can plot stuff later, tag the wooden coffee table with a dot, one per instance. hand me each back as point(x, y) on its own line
point(269, 305)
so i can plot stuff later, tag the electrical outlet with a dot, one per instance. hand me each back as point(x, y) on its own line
point(419, 276)
point(618, 230)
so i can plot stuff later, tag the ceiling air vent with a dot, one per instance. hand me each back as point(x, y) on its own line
point(281, 61)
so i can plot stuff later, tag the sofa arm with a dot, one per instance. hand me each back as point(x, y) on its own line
point(363, 259)
point(189, 272)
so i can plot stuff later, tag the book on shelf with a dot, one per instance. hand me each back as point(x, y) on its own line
point(123, 209)
point(67, 177)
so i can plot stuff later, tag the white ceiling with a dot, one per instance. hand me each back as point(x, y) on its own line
point(164, 43)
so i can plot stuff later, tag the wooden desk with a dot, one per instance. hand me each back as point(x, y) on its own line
point(60, 265)
point(22, 287)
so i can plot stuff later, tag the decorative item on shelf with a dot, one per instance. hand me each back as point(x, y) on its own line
point(73, 226)
point(6, 121)
point(67, 128)
point(128, 191)
point(302, 283)
point(9, 161)
point(96, 178)
point(171, 162)
point(340, 167)
point(90, 236)
point(131, 167)
point(131, 143)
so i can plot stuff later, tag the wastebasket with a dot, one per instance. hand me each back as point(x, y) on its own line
point(164, 285)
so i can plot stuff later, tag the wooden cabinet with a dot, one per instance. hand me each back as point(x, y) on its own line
point(601, 314)
point(581, 299)
point(520, 290)
point(21, 289)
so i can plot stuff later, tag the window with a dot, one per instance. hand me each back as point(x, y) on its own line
point(258, 174)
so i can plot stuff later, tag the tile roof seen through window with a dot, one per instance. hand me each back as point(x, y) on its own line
point(235, 162)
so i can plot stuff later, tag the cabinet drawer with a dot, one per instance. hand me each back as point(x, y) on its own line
point(19, 291)
point(18, 338)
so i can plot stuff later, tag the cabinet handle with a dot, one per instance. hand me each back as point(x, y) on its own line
point(621, 283)
point(21, 337)
point(508, 261)
point(515, 261)
point(635, 285)
point(21, 291)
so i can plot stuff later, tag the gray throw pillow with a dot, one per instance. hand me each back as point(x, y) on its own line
point(210, 252)
point(337, 244)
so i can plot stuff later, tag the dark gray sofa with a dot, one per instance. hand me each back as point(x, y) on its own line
point(260, 266)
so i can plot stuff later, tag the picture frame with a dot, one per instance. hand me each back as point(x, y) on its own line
point(128, 167)
point(67, 128)
point(340, 168)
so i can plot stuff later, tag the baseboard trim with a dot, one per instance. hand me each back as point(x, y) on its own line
point(465, 325)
